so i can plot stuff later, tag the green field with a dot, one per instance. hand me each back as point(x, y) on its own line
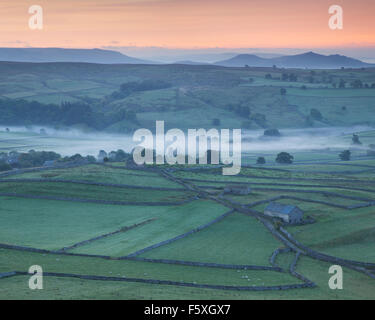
point(114, 210)
point(196, 96)
point(32, 223)
point(95, 173)
point(253, 244)
point(88, 192)
point(238, 239)
point(175, 221)
point(357, 285)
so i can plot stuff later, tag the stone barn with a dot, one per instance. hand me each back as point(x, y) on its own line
point(288, 213)
point(237, 189)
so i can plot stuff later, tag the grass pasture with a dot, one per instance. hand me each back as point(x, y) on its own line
point(237, 239)
point(66, 190)
point(32, 223)
point(345, 234)
point(102, 174)
point(136, 269)
point(174, 222)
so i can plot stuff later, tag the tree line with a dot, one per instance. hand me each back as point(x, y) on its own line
point(34, 159)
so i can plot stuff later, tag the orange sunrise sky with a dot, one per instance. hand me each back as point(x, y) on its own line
point(187, 23)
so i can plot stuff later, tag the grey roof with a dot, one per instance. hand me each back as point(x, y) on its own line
point(281, 208)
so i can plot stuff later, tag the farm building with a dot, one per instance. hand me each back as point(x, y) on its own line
point(288, 213)
point(237, 189)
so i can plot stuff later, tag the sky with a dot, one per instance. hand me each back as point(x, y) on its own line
point(187, 24)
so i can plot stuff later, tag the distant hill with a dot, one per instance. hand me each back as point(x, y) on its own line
point(124, 97)
point(192, 63)
point(245, 59)
point(308, 60)
point(67, 55)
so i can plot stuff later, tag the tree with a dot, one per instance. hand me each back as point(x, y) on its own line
point(357, 84)
point(243, 111)
point(272, 133)
point(91, 159)
point(355, 140)
point(216, 122)
point(345, 155)
point(112, 156)
point(36, 158)
point(102, 154)
point(261, 160)
point(76, 158)
point(342, 84)
point(283, 91)
point(284, 158)
point(293, 77)
point(4, 166)
point(121, 155)
point(316, 115)
point(3, 156)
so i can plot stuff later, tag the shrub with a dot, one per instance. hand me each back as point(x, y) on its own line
point(355, 140)
point(284, 158)
point(272, 133)
point(261, 160)
point(345, 155)
point(5, 166)
point(316, 115)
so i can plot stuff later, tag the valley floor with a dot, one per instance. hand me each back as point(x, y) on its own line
point(111, 232)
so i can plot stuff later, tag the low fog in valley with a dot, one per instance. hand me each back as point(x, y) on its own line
point(70, 142)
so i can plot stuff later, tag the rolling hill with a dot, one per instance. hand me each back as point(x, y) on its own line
point(185, 96)
point(67, 55)
point(308, 60)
